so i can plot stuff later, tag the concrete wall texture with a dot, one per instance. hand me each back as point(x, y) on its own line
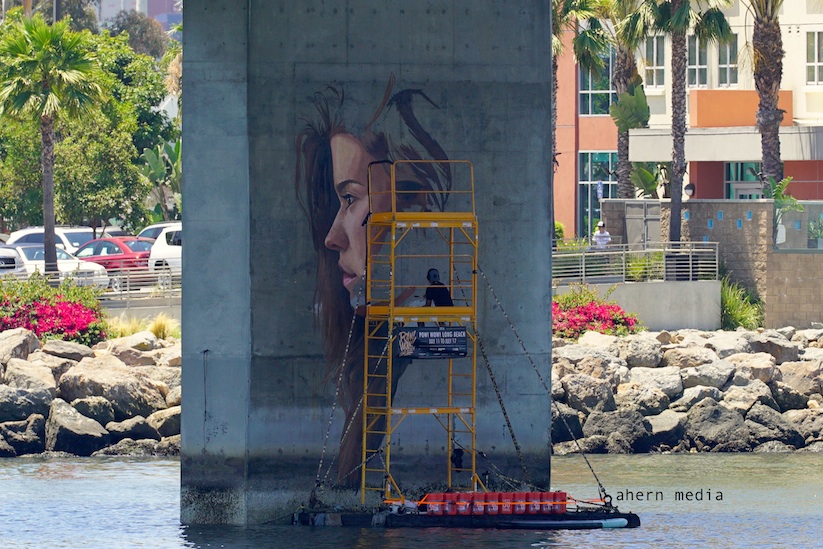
point(258, 395)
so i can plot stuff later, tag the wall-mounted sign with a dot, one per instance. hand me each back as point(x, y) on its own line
point(434, 342)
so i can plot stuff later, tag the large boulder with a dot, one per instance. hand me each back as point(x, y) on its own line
point(27, 436)
point(588, 445)
point(175, 396)
point(754, 366)
point(130, 393)
point(168, 356)
point(773, 343)
point(67, 349)
point(786, 397)
point(742, 397)
point(17, 343)
point(641, 350)
point(767, 425)
point(135, 428)
point(67, 430)
point(725, 344)
point(21, 374)
point(565, 423)
point(713, 427)
point(95, 407)
point(646, 400)
point(627, 422)
point(667, 429)
point(170, 377)
point(587, 394)
point(693, 395)
point(808, 422)
point(129, 447)
point(688, 357)
point(18, 404)
point(597, 340)
point(167, 422)
point(575, 353)
point(57, 365)
point(714, 374)
point(667, 379)
point(133, 350)
point(805, 377)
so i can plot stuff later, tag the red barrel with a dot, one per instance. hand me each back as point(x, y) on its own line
point(506, 503)
point(464, 503)
point(479, 503)
point(533, 503)
point(546, 502)
point(492, 503)
point(450, 503)
point(434, 503)
point(520, 503)
point(560, 502)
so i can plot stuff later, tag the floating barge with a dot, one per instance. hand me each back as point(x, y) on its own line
point(500, 510)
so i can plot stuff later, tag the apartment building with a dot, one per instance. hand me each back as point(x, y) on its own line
point(722, 142)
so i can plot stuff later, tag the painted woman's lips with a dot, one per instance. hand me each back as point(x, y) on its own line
point(348, 280)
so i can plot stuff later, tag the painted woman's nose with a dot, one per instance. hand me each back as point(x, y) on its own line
point(336, 238)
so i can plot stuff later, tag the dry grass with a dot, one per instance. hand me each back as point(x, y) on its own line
point(162, 326)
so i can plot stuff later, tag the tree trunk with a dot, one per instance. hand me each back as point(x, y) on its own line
point(47, 166)
point(768, 71)
point(678, 127)
point(624, 68)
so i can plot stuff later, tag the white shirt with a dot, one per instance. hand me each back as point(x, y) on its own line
point(601, 239)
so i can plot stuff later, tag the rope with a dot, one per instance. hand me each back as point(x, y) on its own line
point(497, 391)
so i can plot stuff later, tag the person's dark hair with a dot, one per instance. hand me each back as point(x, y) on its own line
point(433, 275)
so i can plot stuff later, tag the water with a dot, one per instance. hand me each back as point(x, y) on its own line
point(737, 501)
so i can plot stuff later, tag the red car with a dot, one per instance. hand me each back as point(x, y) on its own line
point(126, 258)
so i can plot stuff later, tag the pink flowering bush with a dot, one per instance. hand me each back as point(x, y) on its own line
point(581, 310)
point(67, 312)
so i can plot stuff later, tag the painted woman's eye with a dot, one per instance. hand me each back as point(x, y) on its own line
point(348, 199)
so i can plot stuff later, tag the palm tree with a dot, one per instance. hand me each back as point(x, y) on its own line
point(676, 17)
point(589, 43)
point(46, 71)
point(628, 24)
point(767, 53)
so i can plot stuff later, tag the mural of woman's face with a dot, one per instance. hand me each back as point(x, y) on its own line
point(347, 236)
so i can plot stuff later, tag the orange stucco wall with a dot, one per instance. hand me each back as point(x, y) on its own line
point(807, 179)
point(565, 178)
point(724, 108)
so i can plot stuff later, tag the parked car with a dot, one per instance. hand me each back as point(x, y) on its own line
point(153, 231)
point(124, 257)
point(10, 264)
point(84, 273)
point(68, 238)
point(166, 256)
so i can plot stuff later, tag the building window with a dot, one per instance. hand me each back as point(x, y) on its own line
point(814, 57)
point(742, 180)
point(698, 65)
point(654, 61)
point(727, 63)
point(596, 90)
point(598, 177)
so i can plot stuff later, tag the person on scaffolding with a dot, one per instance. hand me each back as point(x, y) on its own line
point(437, 293)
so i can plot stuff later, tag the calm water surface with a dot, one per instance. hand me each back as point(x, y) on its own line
point(727, 501)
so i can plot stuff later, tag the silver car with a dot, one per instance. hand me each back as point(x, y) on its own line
point(32, 259)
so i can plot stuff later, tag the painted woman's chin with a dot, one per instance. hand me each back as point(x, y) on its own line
point(357, 294)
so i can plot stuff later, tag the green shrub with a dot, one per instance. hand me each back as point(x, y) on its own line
point(559, 231)
point(643, 266)
point(67, 312)
point(738, 308)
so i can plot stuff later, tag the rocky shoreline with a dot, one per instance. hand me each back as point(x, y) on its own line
point(121, 397)
point(689, 391)
point(679, 391)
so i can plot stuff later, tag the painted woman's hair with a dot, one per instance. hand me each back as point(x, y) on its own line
point(393, 133)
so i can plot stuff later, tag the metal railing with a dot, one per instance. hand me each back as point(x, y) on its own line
point(131, 284)
point(670, 261)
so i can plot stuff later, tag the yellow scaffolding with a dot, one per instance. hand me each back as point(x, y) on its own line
point(404, 238)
